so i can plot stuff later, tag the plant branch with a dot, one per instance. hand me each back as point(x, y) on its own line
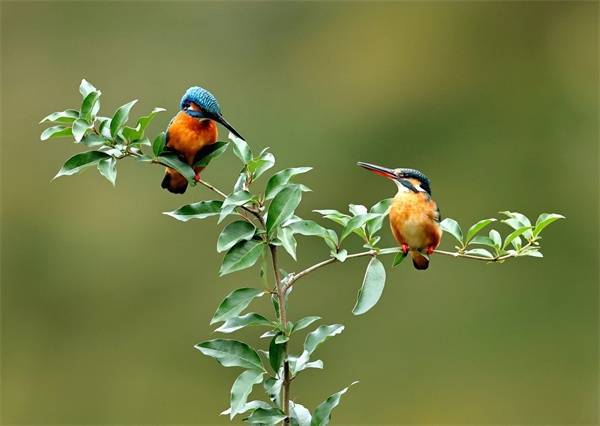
point(392, 250)
point(281, 291)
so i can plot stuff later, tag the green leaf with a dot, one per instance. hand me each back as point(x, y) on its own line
point(241, 182)
point(241, 390)
point(382, 208)
point(453, 228)
point(108, 169)
point(232, 201)
point(241, 256)
point(81, 161)
point(303, 323)
point(277, 182)
point(92, 140)
point(158, 146)
point(496, 238)
point(263, 416)
point(356, 223)
point(544, 220)
point(137, 132)
point(231, 353)
point(300, 415)
point(515, 234)
point(532, 253)
point(298, 364)
point(282, 207)
point(66, 116)
point(140, 142)
point(372, 287)
point(276, 354)
point(281, 338)
point(308, 228)
point(200, 210)
point(170, 159)
point(275, 302)
point(120, 118)
point(483, 240)
point(252, 405)
point(322, 333)
point(79, 128)
point(272, 388)
point(234, 303)
point(312, 228)
point(357, 209)
point(400, 256)
point(56, 132)
point(335, 216)
point(286, 236)
point(209, 153)
point(480, 252)
point(517, 220)
point(233, 233)
point(104, 127)
point(473, 230)
point(517, 243)
point(322, 414)
point(257, 166)
point(241, 148)
point(341, 255)
point(89, 105)
point(237, 323)
point(85, 88)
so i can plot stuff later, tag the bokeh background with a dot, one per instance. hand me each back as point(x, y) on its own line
point(103, 297)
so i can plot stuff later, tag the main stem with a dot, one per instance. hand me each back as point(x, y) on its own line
point(281, 289)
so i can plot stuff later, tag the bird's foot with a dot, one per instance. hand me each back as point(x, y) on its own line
point(430, 250)
point(405, 249)
point(197, 177)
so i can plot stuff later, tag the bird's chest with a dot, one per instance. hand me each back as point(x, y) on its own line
point(411, 220)
point(187, 135)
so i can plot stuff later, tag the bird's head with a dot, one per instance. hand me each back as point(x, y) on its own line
point(199, 103)
point(406, 179)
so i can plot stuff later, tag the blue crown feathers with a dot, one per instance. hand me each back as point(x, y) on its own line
point(201, 97)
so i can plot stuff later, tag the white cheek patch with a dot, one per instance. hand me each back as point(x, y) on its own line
point(402, 188)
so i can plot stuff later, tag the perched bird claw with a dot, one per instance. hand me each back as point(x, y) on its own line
point(197, 177)
point(405, 248)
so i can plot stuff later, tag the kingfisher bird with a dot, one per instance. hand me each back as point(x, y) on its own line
point(414, 216)
point(193, 128)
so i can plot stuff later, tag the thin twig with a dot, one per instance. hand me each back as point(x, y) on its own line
point(212, 188)
point(281, 291)
point(392, 250)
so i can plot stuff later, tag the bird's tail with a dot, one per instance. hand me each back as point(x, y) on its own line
point(174, 182)
point(420, 261)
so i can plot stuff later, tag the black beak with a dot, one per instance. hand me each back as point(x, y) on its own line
point(381, 171)
point(220, 119)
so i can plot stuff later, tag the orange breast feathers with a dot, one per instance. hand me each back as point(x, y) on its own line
point(187, 135)
point(413, 219)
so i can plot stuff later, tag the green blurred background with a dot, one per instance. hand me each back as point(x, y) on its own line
point(103, 297)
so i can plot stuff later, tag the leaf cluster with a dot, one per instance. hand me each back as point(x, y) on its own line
point(523, 239)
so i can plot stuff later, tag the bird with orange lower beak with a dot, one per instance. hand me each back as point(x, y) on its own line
point(414, 216)
point(193, 128)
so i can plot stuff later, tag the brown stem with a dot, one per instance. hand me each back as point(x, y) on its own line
point(391, 250)
point(281, 290)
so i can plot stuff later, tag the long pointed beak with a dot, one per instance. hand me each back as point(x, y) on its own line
point(229, 127)
point(381, 171)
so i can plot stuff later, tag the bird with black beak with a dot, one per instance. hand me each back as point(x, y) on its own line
point(414, 216)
